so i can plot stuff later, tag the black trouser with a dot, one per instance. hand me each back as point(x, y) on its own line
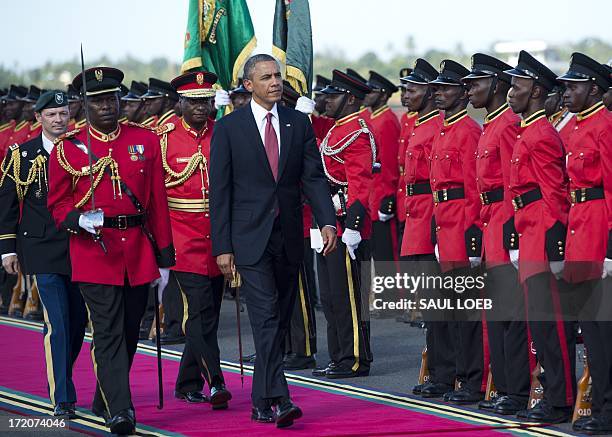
point(507, 332)
point(597, 334)
point(115, 313)
point(554, 339)
point(345, 304)
point(383, 242)
point(441, 349)
point(202, 298)
point(173, 310)
point(467, 326)
point(7, 282)
point(302, 338)
point(269, 286)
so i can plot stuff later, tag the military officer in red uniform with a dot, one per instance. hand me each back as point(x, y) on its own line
point(538, 187)
point(348, 153)
point(488, 87)
point(12, 113)
point(185, 153)
point(28, 127)
point(321, 124)
point(160, 100)
point(133, 109)
point(386, 129)
point(559, 116)
point(607, 97)
point(417, 250)
point(406, 121)
point(457, 223)
point(589, 167)
point(119, 249)
point(75, 105)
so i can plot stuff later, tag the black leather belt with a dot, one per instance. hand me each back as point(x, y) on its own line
point(123, 222)
point(525, 199)
point(582, 195)
point(418, 188)
point(448, 194)
point(493, 196)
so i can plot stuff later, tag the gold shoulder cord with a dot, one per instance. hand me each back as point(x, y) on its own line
point(197, 161)
point(37, 172)
point(98, 170)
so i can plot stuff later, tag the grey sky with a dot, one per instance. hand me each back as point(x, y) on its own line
point(34, 31)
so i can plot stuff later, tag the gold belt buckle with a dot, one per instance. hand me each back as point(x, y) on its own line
point(484, 199)
point(410, 189)
point(517, 203)
point(573, 196)
point(122, 222)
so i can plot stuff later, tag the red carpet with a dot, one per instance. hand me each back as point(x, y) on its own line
point(325, 413)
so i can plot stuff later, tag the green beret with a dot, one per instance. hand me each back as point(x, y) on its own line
point(51, 99)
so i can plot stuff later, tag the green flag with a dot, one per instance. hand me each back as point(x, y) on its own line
point(219, 38)
point(292, 42)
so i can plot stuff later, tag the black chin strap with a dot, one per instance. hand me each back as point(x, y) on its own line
point(340, 107)
point(425, 97)
point(492, 89)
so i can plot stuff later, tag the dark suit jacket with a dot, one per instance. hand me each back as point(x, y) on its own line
point(41, 247)
point(244, 198)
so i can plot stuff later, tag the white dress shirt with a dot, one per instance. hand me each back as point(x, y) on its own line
point(260, 113)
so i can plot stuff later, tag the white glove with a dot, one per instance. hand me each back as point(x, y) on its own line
point(437, 252)
point(514, 257)
point(161, 282)
point(475, 261)
point(305, 105)
point(352, 239)
point(607, 268)
point(384, 217)
point(336, 202)
point(222, 98)
point(91, 220)
point(556, 267)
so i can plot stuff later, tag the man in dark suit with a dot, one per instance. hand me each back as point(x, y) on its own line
point(42, 248)
point(263, 156)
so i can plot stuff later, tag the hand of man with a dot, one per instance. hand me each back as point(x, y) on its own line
point(514, 257)
point(556, 267)
point(475, 261)
point(161, 283)
point(607, 268)
point(352, 239)
point(11, 264)
point(305, 105)
point(87, 224)
point(437, 252)
point(330, 240)
point(225, 261)
point(222, 98)
point(384, 217)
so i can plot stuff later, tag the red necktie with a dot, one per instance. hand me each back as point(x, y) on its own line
point(271, 145)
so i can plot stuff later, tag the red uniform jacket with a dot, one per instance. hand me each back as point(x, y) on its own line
point(351, 169)
point(6, 131)
point(538, 162)
point(589, 164)
point(321, 125)
point(406, 125)
point(386, 129)
point(419, 208)
point(188, 201)
point(20, 133)
point(453, 165)
point(34, 131)
point(493, 173)
point(130, 254)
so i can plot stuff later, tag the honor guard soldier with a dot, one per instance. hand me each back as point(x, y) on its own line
point(119, 249)
point(538, 189)
point(589, 167)
point(12, 112)
point(31, 127)
point(185, 152)
point(488, 87)
point(75, 105)
point(321, 124)
point(456, 213)
point(348, 153)
point(240, 96)
point(559, 116)
point(407, 120)
point(607, 97)
point(133, 109)
point(26, 223)
point(386, 129)
point(160, 100)
point(417, 249)
point(364, 112)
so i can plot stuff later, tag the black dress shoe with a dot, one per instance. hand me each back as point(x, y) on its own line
point(435, 389)
point(509, 406)
point(123, 423)
point(65, 409)
point(597, 426)
point(103, 414)
point(143, 334)
point(322, 371)
point(262, 415)
point(417, 389)
point(341, 371)
point(171, 339)
point(249, 358)
point(465, 396)
point(286, 413)
point(489, 405)
point(543, 412)
point(299, 362)
point(193, 397)
point(580, 422)
point(219, 397)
